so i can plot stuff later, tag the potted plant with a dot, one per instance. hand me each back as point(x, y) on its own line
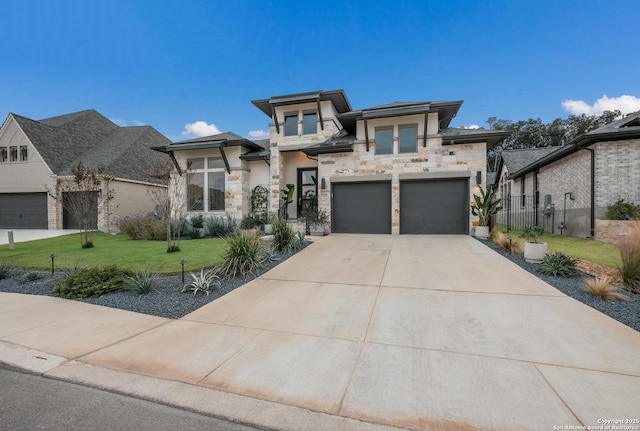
point(534, 251)
point(197, 223)
point(268, 223)
point(484, 206)
point(315, 221)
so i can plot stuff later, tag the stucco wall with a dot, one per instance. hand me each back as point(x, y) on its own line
point(128, 199)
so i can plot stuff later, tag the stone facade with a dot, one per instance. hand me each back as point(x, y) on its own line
point(610, 230)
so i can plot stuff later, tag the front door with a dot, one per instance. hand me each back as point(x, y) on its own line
point(307, 189)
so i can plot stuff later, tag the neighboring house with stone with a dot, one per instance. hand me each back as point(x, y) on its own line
point(395, 168)
point(588, 175)
point(37, 159)
point(520, 196)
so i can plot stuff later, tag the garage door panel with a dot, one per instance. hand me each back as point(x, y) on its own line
point(23, 211)
point(362, 207)
point(434, 207)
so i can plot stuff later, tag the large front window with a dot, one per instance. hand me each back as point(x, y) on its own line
point(384, 140)
point(211, 197)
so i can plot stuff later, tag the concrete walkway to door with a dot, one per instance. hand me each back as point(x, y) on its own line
point(355, 332)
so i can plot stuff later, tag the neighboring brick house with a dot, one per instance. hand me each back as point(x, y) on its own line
point(394, 168)
point(596, 169)
point(37, 158)
point(520, 197)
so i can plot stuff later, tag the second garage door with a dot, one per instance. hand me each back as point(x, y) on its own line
point(362, 207)
point(434, 206)
point(23, 211)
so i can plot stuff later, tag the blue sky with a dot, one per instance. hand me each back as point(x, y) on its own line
point(188, 68)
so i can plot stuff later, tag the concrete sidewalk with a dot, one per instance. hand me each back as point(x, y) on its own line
point(24, 235)
point(355, 332)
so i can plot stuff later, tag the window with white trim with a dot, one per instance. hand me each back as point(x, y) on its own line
point(211, 197)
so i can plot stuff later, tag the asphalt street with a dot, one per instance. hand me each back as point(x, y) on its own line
point(30, 402)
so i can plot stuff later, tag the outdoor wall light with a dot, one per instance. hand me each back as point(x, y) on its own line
point(479, 177)
point(323, 184)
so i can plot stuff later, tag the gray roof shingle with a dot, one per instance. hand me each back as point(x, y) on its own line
point(515, 160)
point(91, 138)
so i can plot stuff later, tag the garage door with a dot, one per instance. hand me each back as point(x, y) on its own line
point(23, 211)
point(434, 206)
point(362, 207)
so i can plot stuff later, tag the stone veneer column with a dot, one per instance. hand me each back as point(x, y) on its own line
point(275, 173)
point(395, 204)
point(236, 193)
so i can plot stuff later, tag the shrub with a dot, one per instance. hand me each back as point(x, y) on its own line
point(244, 255)
point(4, 270)
point(202, 282)
point(31, 276)
point(629, 247)
point(249, 222)
point(141, 282)
point(603, 288)
point(532, 232)
point(192, 233)
point(622, 210)
point(197, 221)
point(285, 239)
point(143, 227)
point(221, 226)
point(558, 264)
point(92, 282)
point(495, 236)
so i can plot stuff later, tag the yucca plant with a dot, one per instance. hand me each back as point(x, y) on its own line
point(558, 264)
point(604, 289)
point(485, 205)
point(141, 281)
point(75, 268)
point(202, 282)
point(244, 255)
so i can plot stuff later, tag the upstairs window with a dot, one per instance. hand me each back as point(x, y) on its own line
point(408, 139)
point(24, 155)
point(384, 140)
point(291, 125)
point(3, 154)
point(13, 154)
point(310, 123)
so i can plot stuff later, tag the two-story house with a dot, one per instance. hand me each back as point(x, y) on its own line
point(395, 168)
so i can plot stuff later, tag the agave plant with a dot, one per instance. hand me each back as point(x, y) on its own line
point(485, 205)
point(203, 282)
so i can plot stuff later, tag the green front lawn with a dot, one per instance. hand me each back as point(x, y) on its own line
point(592, 251)
point(118, 250)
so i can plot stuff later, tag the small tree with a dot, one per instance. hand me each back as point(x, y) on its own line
point(81, 198)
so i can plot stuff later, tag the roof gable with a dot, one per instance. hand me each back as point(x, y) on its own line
point(514, 160)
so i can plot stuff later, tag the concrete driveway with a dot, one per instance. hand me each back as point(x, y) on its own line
point(355, 332)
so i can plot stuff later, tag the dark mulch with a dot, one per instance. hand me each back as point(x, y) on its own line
point(627, 312)
point(166, 300)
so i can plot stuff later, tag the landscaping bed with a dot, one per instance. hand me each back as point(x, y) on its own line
point(165, 300)
point(626, 312)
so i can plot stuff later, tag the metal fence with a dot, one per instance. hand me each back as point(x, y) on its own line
point(517, 212)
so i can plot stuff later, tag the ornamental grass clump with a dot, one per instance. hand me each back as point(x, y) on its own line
point(4, 270)
point(604, 289)
point(285, 239)
point(558, 265)
point(629, 246)
point(244, 255)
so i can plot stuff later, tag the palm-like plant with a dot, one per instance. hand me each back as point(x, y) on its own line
point(485, 205)
point(203, 282)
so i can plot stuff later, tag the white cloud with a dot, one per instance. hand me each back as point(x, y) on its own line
point(200, 128)
point(258, 134)
point(624, 104)
point(471, 126)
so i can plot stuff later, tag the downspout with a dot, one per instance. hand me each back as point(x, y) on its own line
point(593, 191)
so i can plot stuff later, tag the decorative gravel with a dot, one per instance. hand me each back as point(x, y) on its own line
point(166, 300)
point(627, 312)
